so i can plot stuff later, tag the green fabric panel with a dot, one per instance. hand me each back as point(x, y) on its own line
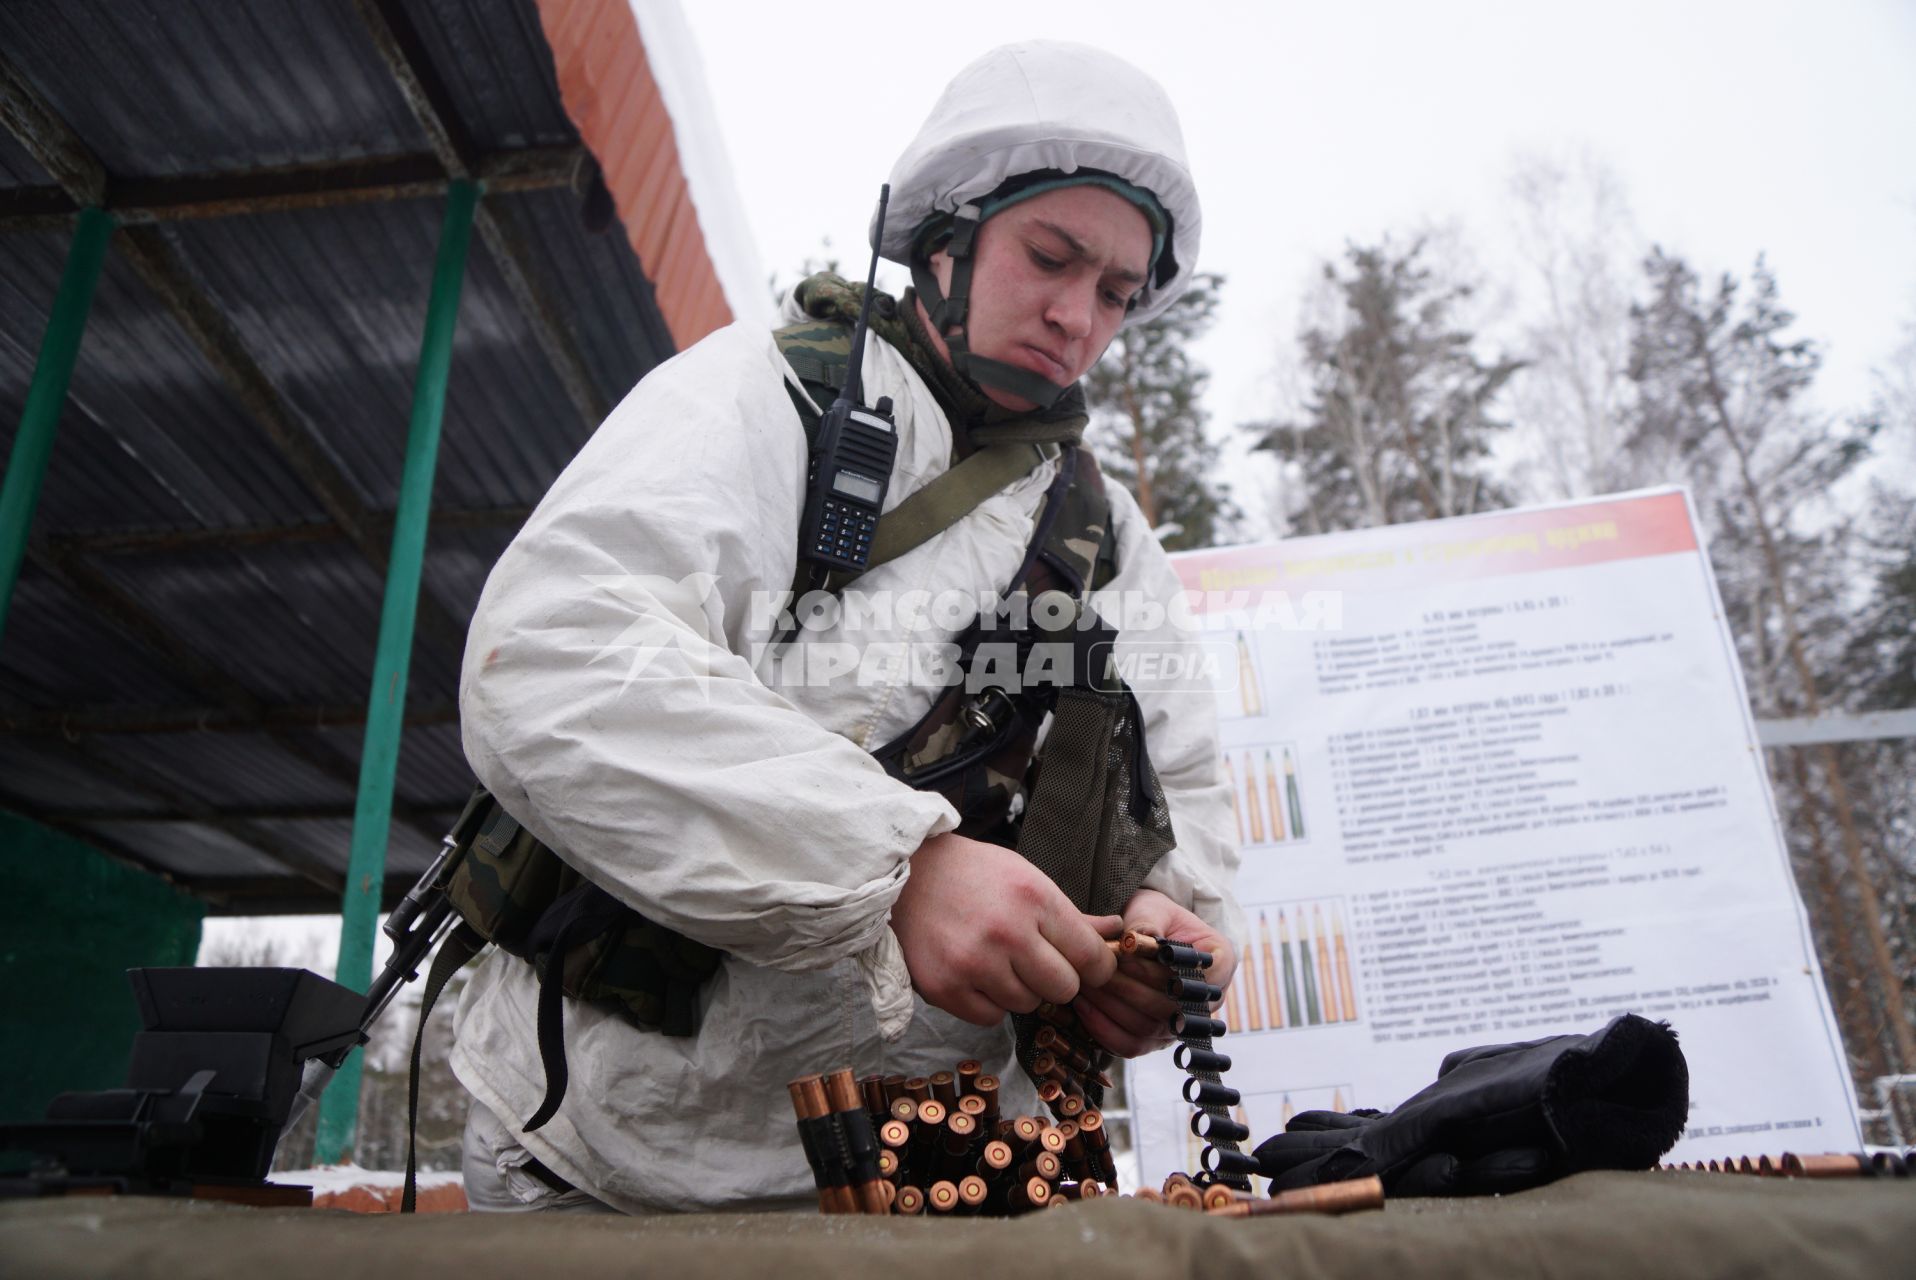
point(72, 922)
point(1599, 1225)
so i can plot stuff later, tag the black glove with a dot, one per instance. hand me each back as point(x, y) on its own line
point(1504, 1117)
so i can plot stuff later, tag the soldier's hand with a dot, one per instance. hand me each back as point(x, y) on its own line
point(985, 933)
point(1131, 1015)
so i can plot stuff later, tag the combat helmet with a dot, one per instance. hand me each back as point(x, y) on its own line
point(1024, 119)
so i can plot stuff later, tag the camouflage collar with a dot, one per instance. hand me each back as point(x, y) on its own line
point(975, 419)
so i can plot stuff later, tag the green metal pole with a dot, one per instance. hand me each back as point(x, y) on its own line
point(385, 709)
point(33, 445)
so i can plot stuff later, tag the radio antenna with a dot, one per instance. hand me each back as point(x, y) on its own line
point(853, 392)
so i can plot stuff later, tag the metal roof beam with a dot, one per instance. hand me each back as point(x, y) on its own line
point(84, 721)
point(313, 186)
point(64, 155)
point(399, 45)
point(134, 779)
point(268, 896)
point(245, 537)
point(119, 610)
point(69, 161)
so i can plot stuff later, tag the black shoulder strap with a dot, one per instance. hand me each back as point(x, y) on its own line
point(460, 946)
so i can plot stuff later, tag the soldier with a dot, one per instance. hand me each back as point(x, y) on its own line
point(762, 804)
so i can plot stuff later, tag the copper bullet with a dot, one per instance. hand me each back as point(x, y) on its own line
point(972, 1191)
point(918, 1089)
point(895, 1134)
point(872, 1090)
point(894, 1090)
point(910, 1200)
point(1031, 1193)
point(968, 1072)
point(974, 1106)
point(1184, 1195)
point(1830, 1165)
point(1331, 1197)
point(942, 1197)
point(986, 1087)
point(931, 1114)
point(1071, 1106)
point(904, 1109)
point(1052, 1140)
point(1044, 1165)
point(1025, 1130)
point(995, 1158)
point(944, 1087)
point(808, 1102)
point(888, 1163)
point(1217, 1195)
point(958, 1132)
point(862, 1148)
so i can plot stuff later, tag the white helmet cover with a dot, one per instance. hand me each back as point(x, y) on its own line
point(1047, 104)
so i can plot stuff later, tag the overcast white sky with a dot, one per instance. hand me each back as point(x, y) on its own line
point(1785, 128)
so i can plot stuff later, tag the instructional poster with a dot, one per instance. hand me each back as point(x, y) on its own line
point(1496, 779)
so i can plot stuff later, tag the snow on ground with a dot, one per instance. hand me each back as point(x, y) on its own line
point(343, 1177)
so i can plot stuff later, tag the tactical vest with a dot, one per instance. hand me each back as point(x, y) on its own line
point(515, 892)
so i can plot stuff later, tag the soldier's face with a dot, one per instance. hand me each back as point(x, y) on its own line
point(1051, 281)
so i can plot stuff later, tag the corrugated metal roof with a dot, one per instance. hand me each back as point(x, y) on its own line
point(190, 576)
point(205, 86)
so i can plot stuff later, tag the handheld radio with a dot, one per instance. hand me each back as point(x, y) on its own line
point(851, 459)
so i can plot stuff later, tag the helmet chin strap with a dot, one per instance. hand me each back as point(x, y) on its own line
point(948, 311)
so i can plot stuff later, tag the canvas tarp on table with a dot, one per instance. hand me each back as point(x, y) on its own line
point(1597, 1225)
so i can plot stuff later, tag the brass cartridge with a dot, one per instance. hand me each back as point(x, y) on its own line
point(1217, 1195)
point(803, 1103)
point(1148, 1193)
point(1044, 1165)
point(910, 1200)
point(1029, 1193)
point(895, 1135)
point(960, 1129)
point(1330, 1198)
point(918, 1089)
point(842, 1091)
point(973, 1105)
point(986, 1087)
point(1184, 1194)
point(1052, 1140)
point(968, 1072)
point(894, 1090)
point(941, 1196)
point(904, 1109)
point(994, 1159)
point(944, 1087)
point(1830, 1165)
point(888, 1163)
point(972, 1192)
point(872, 1090)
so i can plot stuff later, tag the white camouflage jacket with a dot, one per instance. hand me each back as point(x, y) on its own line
point(610, 701)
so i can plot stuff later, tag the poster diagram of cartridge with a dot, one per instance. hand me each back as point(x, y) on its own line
point(1296, 973)
point(1244, 696)
point(1265, 794)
